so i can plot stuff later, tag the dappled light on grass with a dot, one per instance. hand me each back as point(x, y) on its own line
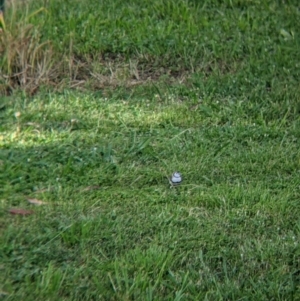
point(210, 91)
point(119, 223)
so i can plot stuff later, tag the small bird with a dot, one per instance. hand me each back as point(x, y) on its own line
point(175, 179)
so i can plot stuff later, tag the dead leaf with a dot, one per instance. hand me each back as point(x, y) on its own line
point(93, 187)
point(18, 211)
point(36, 202)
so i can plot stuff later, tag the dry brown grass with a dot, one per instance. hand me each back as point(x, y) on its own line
point(28, 62)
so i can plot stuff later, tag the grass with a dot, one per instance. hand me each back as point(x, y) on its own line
point(211, 91)
point(128, 43)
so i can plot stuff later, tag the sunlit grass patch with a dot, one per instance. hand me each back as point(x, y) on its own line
point(208, 90)
point(110, 220)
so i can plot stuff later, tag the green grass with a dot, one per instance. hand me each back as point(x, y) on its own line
point(231, 231)
point(96, 44)
point(222, 108)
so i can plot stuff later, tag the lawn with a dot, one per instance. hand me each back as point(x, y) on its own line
point(130, 93)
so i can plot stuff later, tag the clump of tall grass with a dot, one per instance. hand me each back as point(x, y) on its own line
point(25, 60)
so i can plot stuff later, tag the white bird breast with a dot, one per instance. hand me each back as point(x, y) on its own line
point(176, 178)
